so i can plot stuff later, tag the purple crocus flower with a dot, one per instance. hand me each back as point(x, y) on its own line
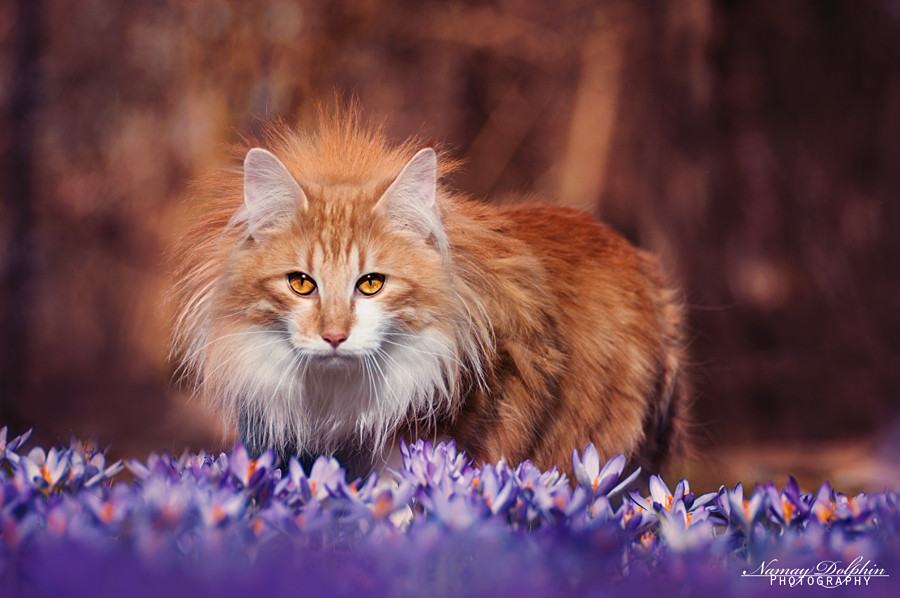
point(326, 477)
point(112, 510)
point(546, 495)
point(391, 500)
point(294, 486)
point(660, 498)
point(438, 465)
point(164, 504)
point(823, 506)
point(45, 470)
point(453, 510)
point(497, 489)
point(8, 449)
point(99, 471)
point(679, 506)
point(218, 508)
point(601, 481)
point(853, 511)
point(632, 516)
point(739, 511)
point(249, 472)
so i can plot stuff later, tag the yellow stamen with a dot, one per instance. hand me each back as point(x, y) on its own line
point(789, 509)
point(106, 512)
point(825, 513)
point(854, 508)
point(382, 506)
point(218, 514)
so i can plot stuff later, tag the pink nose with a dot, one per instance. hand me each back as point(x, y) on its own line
point(334, 338)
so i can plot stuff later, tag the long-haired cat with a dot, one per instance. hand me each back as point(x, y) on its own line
point(335, 296)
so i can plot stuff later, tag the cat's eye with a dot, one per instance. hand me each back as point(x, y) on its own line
point(301, 283)
point(370, 283)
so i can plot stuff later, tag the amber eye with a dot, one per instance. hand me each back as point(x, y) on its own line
point(301, 283)
point(370, 283)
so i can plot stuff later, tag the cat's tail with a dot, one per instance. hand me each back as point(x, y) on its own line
point(667, 424)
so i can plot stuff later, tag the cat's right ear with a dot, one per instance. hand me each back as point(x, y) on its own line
point(271, 195)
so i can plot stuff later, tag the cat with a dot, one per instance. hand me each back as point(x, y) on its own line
point(334, 296)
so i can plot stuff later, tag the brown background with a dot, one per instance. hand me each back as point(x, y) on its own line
point(754, 145)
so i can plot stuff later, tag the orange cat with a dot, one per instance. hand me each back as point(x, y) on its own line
point(334, 297)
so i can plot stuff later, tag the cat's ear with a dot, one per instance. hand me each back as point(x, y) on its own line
point(409, 202)
point(271, 195)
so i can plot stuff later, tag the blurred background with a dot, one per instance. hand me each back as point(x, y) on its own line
point(753, 145)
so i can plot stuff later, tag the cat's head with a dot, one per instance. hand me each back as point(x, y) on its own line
point(334, 315)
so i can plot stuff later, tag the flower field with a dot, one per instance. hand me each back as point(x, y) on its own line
point(72, 524)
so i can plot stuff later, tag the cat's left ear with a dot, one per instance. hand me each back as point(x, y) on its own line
point(409, 202)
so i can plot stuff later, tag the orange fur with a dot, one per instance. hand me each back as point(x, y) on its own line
point(557, 332)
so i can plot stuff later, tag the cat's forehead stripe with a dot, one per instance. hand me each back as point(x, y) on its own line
point(360, 258)
point(318, 255)
point(321, 259)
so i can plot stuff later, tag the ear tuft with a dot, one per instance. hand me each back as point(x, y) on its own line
point(409, 202)
point(271, 195)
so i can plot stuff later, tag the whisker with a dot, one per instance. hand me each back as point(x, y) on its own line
point(287, 372)
point(421, 351)
point(239, 355)
point(231, 335)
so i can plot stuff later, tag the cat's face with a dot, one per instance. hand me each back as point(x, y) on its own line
point(339, 282)
point(341, 267)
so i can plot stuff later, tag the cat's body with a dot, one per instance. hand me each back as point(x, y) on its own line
point(334, 298)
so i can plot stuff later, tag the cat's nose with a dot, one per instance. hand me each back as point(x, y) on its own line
point(334, 338)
